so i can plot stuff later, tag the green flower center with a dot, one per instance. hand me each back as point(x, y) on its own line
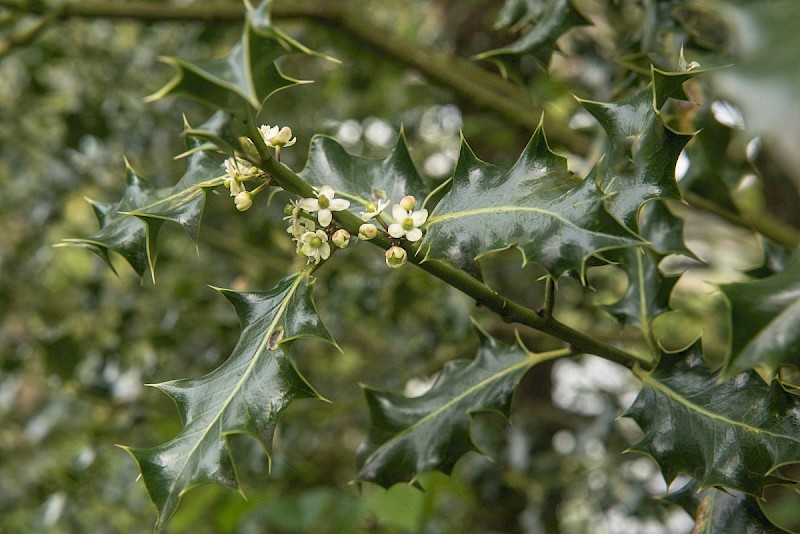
point(315, 242)
point(407, 224)
point(371, 207)
point(323, 202)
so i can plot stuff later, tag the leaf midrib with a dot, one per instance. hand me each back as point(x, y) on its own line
point(244, 376)
point(680, 399)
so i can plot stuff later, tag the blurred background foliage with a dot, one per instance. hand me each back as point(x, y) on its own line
point(77, 343)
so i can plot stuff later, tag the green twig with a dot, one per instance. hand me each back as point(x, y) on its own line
point(509, 310)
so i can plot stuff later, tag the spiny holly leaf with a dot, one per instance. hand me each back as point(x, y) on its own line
point(640, 165)
point(356, 178)
point(130, 227)
point(663, 230)
point(765, 319)
point(722, 512)
point(733, 434)
point(247, 76)
point(556, 17)
point(245, 395)
point(409, 436)
point(553, 217)
point(648, 290)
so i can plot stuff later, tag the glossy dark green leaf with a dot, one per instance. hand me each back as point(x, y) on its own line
point(553, 217)
point(732, 433)
point(409, 436)
point(356, 178)
point(130, 227)
point(648, 290)
point(245, 395)
point(557, 17)
point(663, 230)
point(640, 163)
point(247, 76)
point(722, 511)
point(765, 319)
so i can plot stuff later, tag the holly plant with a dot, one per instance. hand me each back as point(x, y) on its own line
point(599, 196)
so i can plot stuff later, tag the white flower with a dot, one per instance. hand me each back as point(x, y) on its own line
point(277, 137)
point(243, 201)
point(238, 170)
point(374, 209)
point(315, 246)
point(396, 257)
point(407, 223)
point(367, 232)
point(325, 204)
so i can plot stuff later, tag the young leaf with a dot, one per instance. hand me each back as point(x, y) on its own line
point(551, 216)
point(409, 436)
point(247, 76)
point(245, 395)
point(356, 178)
point(559, 17)
point(765, 319)
point(722, 512)
point(733, 434)
point(130, 227)
point(640, 165)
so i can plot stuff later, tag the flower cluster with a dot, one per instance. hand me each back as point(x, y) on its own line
point(406, 223)
point(239, 170)
point(311, 241)
point(314, 243)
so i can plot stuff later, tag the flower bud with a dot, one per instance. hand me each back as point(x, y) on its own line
point(341, 238)
point(408, 203)
point(367, 231)
point(243, 201)
point(396, 257)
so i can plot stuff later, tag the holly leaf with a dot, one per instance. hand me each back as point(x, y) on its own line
point(409, 436)
point(765, 320)
point(357, 178)
point(130, 227)
point(247, 76)
point(722, 512)
point(245, 395)
point(648, 290)
point(663, 230)
point(550, 215)
point(732, 433)
point(555, 18)
point(643, 151)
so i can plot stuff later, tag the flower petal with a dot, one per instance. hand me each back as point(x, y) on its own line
point(308, 204)
point(396, 230)
point(398, 213)
point(327, 191)
point(414, 234)
point(419, 217)
point(338, 204)
point(325, 251)
point(325, 216)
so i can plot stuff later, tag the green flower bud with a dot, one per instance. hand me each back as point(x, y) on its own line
point(396, 257)
point(408, 203)
point(341, 238)
point(243, 201)
point(367, 232)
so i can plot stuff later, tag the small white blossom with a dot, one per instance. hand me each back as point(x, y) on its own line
point(374, 209)
point(315, 246)
point(243, 201)
point(277, 137)
point(325, 204)
point(396, 257)
point(341, 238)
point(239, 171)
point(367, 232)
point(407, 223)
